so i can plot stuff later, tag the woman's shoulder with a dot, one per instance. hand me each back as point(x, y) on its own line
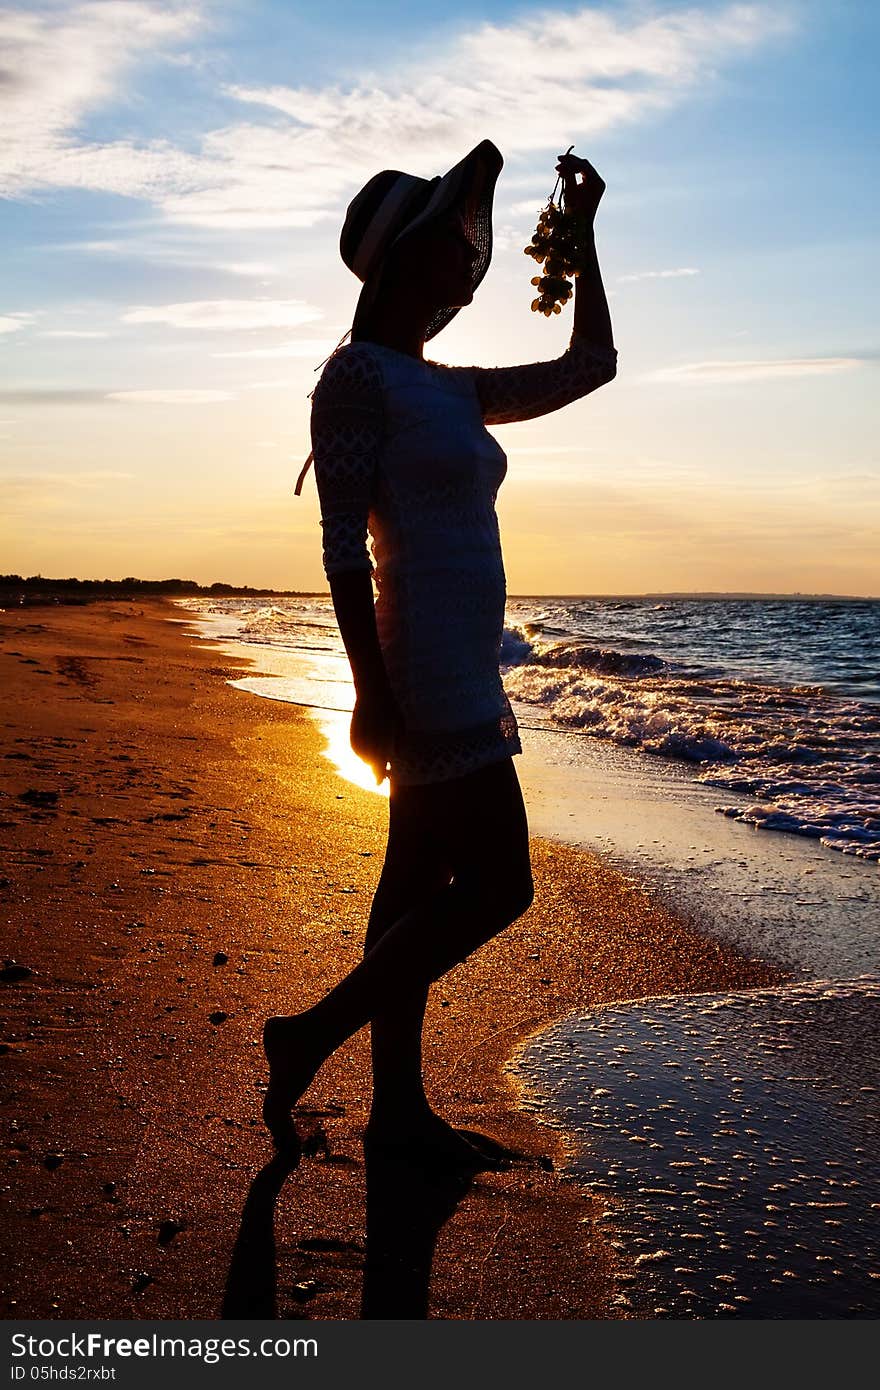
point(353, 370)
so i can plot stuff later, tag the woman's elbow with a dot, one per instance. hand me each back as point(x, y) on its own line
point(607, 374)
point(599, 374)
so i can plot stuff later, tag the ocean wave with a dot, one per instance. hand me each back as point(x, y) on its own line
point(518, 645)
point(740, 736)
point(766, 702)
point(840, 829)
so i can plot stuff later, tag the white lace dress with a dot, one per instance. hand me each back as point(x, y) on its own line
point(401, 451)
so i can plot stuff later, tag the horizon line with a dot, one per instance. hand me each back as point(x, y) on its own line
point(9, 580)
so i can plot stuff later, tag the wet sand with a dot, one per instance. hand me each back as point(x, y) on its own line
point(734, 1138)
point(180, 861)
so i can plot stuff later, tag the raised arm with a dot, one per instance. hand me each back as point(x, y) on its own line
point(521, 393)
point(535, 388)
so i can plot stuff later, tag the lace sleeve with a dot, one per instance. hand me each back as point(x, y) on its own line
point(535, 388)
point(347, 425)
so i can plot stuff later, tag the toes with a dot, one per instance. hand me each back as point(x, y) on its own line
point(489, 1146)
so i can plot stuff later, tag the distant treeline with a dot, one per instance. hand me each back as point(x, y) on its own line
point(16, 589)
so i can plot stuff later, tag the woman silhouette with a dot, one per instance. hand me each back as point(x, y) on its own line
point(401, 448)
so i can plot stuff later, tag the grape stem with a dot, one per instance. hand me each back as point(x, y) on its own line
point(556, 184)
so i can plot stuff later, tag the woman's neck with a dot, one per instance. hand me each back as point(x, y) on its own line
point(395, 326)
point(410, 347)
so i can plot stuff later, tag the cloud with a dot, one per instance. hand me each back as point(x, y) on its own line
point(68, 63)
point(184, 249)
point(14, 323)
point(506, 80)
point(226, 314)
point(18, 485)
point(255, 268)
point(88, 396)
point(527, 207)
point(733, 372)
point(163, 396)
point(50, 395)
point(583, 72)
point(74, 333)
point(294, 347)
point(658, 274)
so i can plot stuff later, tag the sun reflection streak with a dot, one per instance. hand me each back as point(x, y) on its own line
point(335, 726)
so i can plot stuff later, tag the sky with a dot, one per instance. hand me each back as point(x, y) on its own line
point(174, 179)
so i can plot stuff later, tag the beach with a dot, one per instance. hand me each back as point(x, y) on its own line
point(181, 861)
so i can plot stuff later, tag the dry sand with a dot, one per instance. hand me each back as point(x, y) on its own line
point(153, 816)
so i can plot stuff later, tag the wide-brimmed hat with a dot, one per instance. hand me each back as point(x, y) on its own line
point(392, 204)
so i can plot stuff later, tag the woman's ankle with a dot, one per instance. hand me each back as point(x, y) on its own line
point(391, 1110)
point(306, 1031)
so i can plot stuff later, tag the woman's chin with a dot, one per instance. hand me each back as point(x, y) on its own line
point(457, 299)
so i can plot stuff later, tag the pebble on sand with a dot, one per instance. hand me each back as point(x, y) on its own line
point(12, 972)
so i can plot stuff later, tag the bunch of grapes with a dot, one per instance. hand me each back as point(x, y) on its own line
point(558, 241)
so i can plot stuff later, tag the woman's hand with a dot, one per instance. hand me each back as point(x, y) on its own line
point(375, 722)
point(582, 195)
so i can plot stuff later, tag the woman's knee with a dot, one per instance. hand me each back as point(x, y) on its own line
point(522, 895)
point(472, 829)
point(403, 886)
point(506, 894)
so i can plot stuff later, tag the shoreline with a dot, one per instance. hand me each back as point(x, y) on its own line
point(167, 817)
point(774, 895)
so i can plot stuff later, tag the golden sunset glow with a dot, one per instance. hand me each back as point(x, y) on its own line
point(335, 728)
point(154, 412)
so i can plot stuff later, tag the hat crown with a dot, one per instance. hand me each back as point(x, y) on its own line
point(393, 204)
point(378, 214)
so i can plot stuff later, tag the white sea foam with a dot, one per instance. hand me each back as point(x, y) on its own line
point(745, 736)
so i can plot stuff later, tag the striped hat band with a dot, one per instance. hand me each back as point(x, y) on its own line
point(388, 205)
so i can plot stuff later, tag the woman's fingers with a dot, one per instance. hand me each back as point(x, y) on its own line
point(575, 161)
point(581, 194)
point(568, 168)
point(375, 752)
point(570, 165)
point(567, 171)
point(375, 728)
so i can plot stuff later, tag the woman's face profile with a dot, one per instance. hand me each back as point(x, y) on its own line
point(437, 259)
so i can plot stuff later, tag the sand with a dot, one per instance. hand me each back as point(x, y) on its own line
point(153, 817)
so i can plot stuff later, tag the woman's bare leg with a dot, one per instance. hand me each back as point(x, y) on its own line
point(415, 868)
point(484, 815)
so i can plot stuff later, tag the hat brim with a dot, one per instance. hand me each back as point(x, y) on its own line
point(469, 186)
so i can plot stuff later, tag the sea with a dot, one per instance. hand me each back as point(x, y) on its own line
point(723, 753)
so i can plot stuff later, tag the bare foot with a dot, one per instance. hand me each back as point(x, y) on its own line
point(428, 1139)
point(293, 1063)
